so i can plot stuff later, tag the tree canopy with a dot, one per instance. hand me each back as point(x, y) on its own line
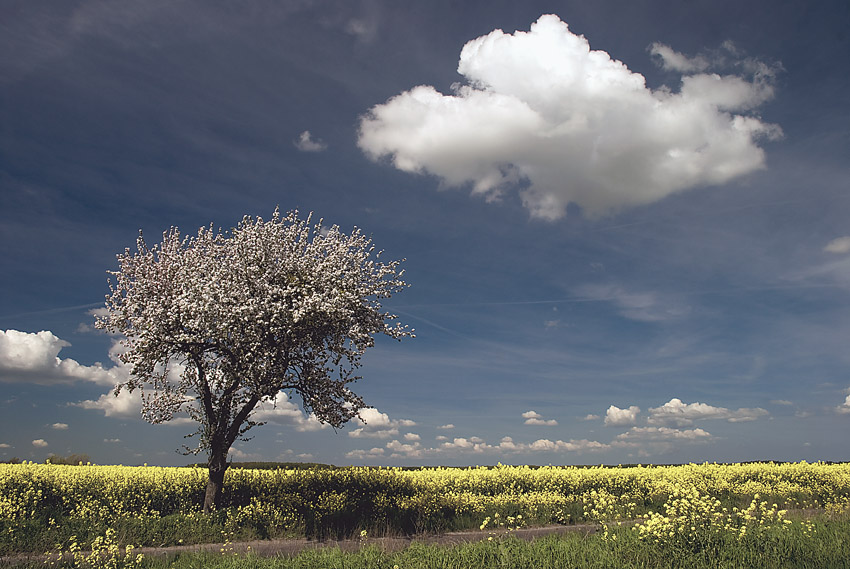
point(215, 323)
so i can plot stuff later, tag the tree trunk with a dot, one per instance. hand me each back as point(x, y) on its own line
point(217, 467)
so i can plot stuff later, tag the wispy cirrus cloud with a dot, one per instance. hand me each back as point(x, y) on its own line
point(643, 306)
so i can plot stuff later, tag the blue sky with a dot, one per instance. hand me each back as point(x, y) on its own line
point(625, 224)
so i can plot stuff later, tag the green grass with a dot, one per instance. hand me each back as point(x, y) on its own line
point(824, 548)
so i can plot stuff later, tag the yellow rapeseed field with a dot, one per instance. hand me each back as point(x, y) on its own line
point(696, 499)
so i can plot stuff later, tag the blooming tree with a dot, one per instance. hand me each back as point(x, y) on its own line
point(216, 323)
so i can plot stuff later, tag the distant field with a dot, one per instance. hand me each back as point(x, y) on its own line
point(695, 507)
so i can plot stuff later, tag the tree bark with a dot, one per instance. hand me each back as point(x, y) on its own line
point(215, 482)
point(220, 444)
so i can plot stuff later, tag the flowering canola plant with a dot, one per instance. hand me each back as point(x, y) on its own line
point(698, 501)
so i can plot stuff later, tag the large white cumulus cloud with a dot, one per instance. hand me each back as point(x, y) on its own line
point(544, 112)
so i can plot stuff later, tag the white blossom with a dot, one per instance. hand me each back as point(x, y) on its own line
point(215, 323)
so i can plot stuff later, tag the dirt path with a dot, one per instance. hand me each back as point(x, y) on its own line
point(291, 547)
point(295, 546)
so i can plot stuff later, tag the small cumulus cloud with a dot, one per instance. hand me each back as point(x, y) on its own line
point(365, 454)
point(535, 418)
point(844, 408)
point(113, 441)
point(5, 445)
point(39, 443)
point(477, 445)
point(663, 433)
point(677, 413)
point(59, 426)
point(590, 417)
point(32, 357)
point(402, 450)
point(780, 402)
point(126, 404)
point(544, 114)
point(446, 427)
point(123, 405)
point(102, 312)
point(374, 424)
point(471, 444)
point(281, 411)
point(237, 454)
point(616, 417)
point(672, 60)
point(840, 245)
point(507, 444)
point(306, 143)
point(412, 437)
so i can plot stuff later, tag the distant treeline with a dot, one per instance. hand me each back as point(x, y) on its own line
point(320, 466)
point(71, 459)
point(81, 458)
point(273, 465)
